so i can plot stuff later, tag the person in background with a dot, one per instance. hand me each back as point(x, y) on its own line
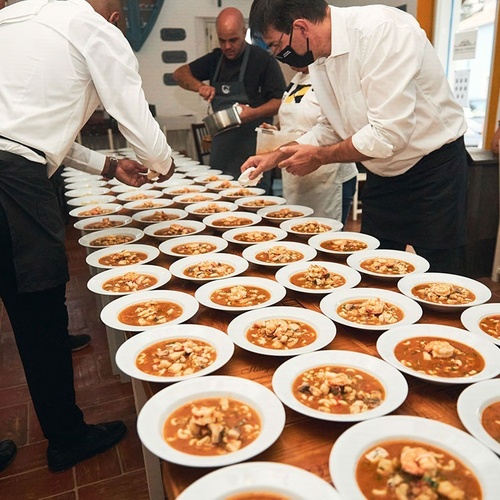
point(241, 73)
point(387, 104)
point(64, 58)
point(329, 189)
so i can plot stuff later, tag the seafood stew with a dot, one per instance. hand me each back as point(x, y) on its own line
point(338, 389)
point(284, 213)
point(212, 426)
point(255, 236)
point(104, 224)
point(372, 311)
point(232, 221)
point(490, 420)
point(281, 334)
point(317, 278)
point(195, 248)
point(129, 282)
point(176, 357)
point(311, 227)
point(343, 245)
point(208, 269)
point(491, 325)
point(443, 293)
point(174, 230)
point(240, 296)
point(439, 357)
point(387, 266)
point(407, 469)
point(279, 254)
point(112, 239)
point(123, 258)
point(149, 313)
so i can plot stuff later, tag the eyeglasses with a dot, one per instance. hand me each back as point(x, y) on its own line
point(274, 46)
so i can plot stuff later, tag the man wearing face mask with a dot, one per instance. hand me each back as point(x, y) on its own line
point(59, 59)
point(236, 73)
point(386, 103)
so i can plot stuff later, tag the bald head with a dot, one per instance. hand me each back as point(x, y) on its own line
point(231, 31)
point(112, 11)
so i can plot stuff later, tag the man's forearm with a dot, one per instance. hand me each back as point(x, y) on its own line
point(186, 80)
point(342, 152)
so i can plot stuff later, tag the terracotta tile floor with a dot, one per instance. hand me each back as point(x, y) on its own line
point(116, 474)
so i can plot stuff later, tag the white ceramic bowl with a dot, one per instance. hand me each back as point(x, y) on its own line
point(267, 213)
point(110, 312)
point(88, 240)
point(275, 290)
point(152, 204)
point(329, 304)
point(350, 276)
point(254, 203)
point(97, 282)
point(286, 481)
point(481, 292)
point(126, 356)
point(87, 223)
point(168, 247)
point(393, 382)
point(170, 214)
point(472, 317)
point(237, 263)
point(212, 220)
point(364, 436)
point(158, 408)
point(319, 240)
point(232, 235)
point(294, 226)
point(251, 252)
point(202, 209)
point(140, 195)
point(416, 263)
point(388, 341)
point(97, 199)
point(94, 258)
point(324, 327)
point(191, 226)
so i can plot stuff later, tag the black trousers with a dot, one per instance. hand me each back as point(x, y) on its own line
point(40, 323)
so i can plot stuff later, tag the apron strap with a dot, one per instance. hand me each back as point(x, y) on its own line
point(243, 66)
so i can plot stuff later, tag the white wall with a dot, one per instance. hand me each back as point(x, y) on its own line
point(173, 102)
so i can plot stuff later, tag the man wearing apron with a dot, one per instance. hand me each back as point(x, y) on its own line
point(68, 56)
point(238, 73)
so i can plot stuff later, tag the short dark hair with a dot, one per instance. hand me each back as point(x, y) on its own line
point(280, 14)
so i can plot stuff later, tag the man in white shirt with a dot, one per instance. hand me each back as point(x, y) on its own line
point(58, 60)
point(387, 104)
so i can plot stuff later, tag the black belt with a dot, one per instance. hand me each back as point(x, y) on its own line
point(37, 151)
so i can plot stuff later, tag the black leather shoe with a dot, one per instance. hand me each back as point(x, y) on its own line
point(8, 450)
point(99, 438)
point(78, 342)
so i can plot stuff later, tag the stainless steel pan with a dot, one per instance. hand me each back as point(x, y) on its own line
point(223, 120)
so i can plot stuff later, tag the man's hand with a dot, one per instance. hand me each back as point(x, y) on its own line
point(301, 159)
point(207, 92)
point(131, 172)
point(262, 163)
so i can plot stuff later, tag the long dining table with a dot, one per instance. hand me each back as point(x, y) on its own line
point(305, 442)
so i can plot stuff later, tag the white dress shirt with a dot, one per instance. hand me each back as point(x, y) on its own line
point(321, 189)
point(58, 61)
point(384, 86)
